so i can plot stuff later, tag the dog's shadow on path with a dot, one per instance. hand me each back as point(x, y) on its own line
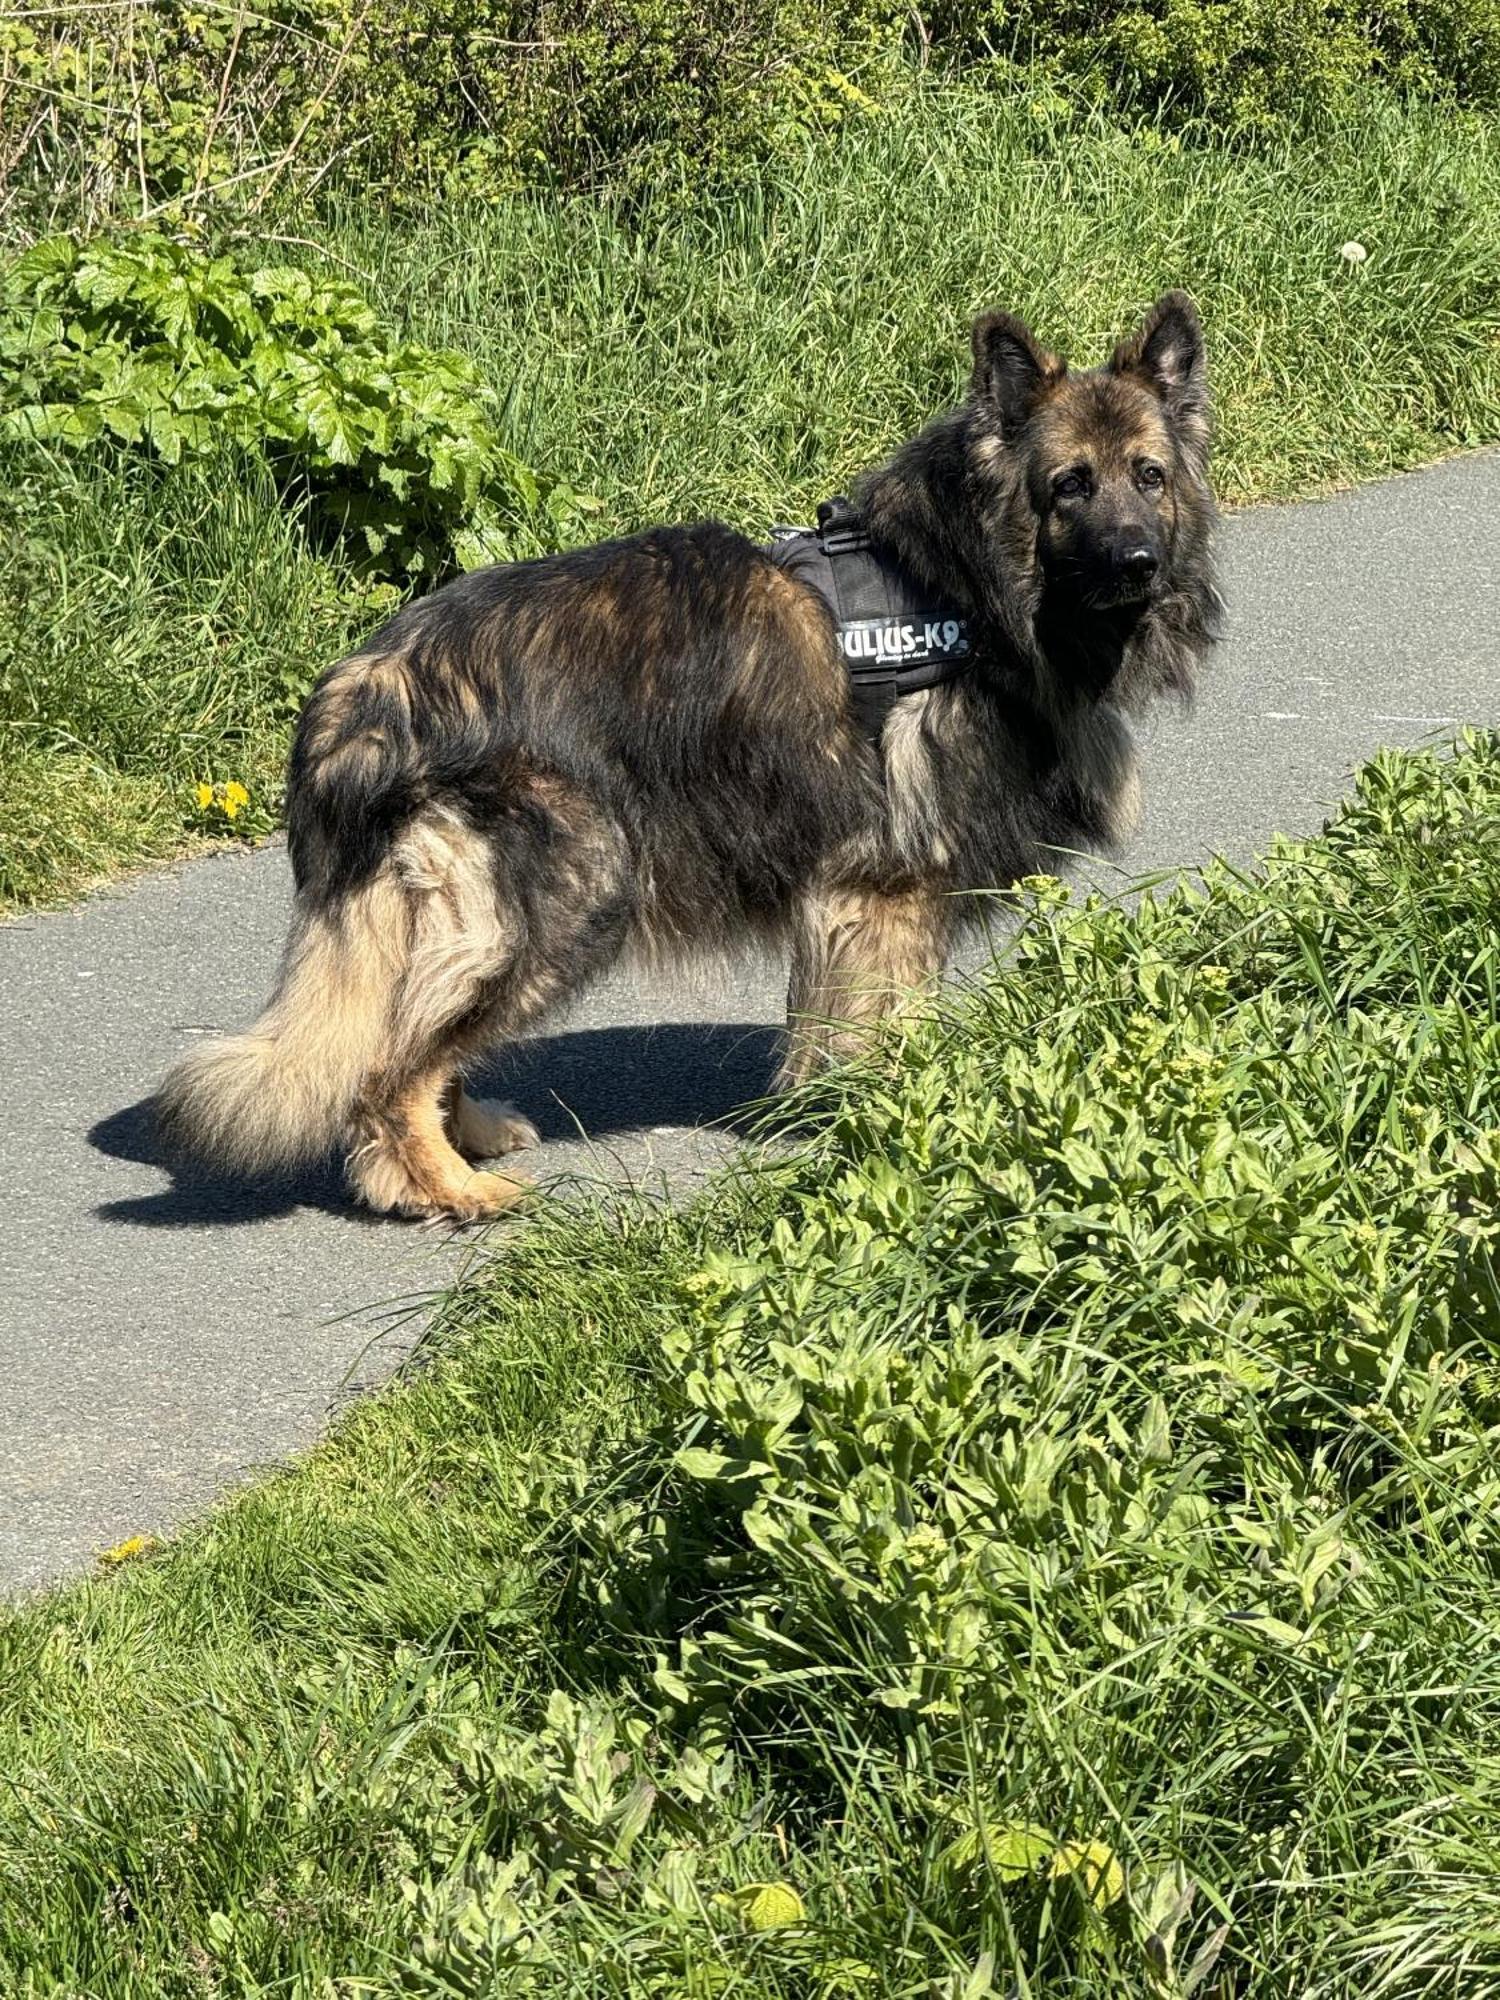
point(596, 1082)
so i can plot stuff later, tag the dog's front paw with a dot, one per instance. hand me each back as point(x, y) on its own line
point(486, 1131)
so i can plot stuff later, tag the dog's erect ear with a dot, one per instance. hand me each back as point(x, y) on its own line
point(1012, 372)
point(1168, 354)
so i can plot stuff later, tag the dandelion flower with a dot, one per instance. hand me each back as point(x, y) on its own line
point(205, 797)
point(1352, 252)
point(130, 1550)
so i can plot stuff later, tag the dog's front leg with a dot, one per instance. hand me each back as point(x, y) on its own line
point(858, 954)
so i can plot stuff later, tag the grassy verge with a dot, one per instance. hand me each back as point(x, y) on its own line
point(157, 627)
point(744, 356)
point(1040, 1538)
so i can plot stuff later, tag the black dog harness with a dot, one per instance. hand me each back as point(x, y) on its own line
point(895, 636)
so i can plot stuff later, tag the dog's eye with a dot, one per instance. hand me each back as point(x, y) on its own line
point(1071, 485)
point(1151, 477)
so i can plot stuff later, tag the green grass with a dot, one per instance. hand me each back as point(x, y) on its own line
point(157, 627)
point(744, 356)
point(749, 355)
point(1047, 1522)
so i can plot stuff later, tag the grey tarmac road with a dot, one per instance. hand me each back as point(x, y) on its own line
point(161, 1338)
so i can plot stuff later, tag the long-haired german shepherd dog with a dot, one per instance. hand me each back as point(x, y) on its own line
point(651, 742)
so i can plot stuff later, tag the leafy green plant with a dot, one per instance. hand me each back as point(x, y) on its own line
point(1244, 63)
point(147, 342)
point(134, 110)
point(1126, 1307)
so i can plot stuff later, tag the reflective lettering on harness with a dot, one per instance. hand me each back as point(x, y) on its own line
point(907, 644)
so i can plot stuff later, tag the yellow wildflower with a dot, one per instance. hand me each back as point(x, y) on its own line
point(205, 797)
point(130, 1550)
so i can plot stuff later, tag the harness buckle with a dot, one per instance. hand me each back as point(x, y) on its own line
point(840, 528)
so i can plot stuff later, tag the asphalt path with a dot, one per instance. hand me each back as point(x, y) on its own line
point(162, 1337)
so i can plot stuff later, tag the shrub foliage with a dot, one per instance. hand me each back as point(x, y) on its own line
point(149, 343)
point(130, 107)
point(135, 105)
point(1043, 1498)
point(1244, 62)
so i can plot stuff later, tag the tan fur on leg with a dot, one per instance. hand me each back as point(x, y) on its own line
point(407, 1164)
point(858, 956)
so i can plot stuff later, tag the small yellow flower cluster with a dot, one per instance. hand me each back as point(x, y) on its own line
point(130, 1550)
point(227, 798)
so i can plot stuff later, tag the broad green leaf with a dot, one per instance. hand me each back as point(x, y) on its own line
point(700, 1464)
point(767, 1906)
point(1012, 1848)
point(1092, 1864)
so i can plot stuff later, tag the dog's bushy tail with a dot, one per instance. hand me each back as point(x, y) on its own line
point(282, 1093)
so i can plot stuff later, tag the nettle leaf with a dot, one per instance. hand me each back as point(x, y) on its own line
point(442, 470)
point(334, 423)
point(285, 290)
point(105, 280)
point(177, 309)
point(160, 424)
point(266, 363)
point(482, 544)
point(124, 415)
point(341, 310)
point(32, 331)
point(34, 270)
point(57, 423)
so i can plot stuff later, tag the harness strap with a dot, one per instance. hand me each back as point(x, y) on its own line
point(893, 638)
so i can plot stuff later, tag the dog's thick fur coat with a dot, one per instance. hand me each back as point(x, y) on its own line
point(651, 742)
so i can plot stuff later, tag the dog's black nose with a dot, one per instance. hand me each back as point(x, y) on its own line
point(1138, 565)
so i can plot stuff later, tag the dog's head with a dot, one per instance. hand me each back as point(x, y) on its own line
point(1106, 468)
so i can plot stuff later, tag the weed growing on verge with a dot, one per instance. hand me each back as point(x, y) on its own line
point(150, 343)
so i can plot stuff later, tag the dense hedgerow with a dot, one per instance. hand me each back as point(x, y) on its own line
point(127, 107)
point(1244, 63)
point(131, 106)
point(1038, 1537)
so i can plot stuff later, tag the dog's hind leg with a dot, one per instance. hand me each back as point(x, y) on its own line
point(507, 925)
point(409, 1166)
point(858, 954)
point(464, 934)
